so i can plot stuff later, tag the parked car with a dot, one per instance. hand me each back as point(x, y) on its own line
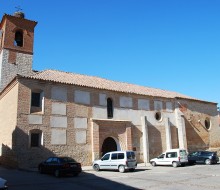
point(60, 166)
point(174, 157)
point(3, 184)
point(117, 160)
point(207, 157)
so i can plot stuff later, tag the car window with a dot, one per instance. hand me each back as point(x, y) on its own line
point(183, 153)
point(67, 159)
point(130, 155)
point(161, 156)
point(106, 157)
point(49, 160)
point(194, 154)
point(54, 160)
point(114, 156)
point(121, 156)
point(171, 154)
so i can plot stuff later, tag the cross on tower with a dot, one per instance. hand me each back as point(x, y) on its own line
point(18, 8)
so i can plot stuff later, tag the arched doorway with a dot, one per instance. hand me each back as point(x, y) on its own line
point(109, 145)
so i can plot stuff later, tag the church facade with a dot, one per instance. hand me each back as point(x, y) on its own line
point(52, 112)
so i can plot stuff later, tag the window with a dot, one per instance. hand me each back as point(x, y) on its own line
point(121, 156)
point(131, 155)
point(161, 156)
point(109, 108)
point(18, 39)
point(171, 154)
point(158, 116)
point(35, 138)
point(36, 101)
point(49, 160)
point(114, 156)
point(106, 157)
point(207, 123)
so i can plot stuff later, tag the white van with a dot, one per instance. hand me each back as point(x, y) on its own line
point(174, 157)
point(117, 160)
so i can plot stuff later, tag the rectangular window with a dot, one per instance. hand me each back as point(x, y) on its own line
point(35, 137)
point(121, 156)
point(35, 99)
point(114, 156)
point(171, 154)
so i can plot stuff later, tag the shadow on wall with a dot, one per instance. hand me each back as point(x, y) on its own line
point(24, 157)
point(197, 136)
point(155, 140)
point(21, 155)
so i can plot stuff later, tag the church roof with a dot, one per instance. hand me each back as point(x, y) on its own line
point(101, 83)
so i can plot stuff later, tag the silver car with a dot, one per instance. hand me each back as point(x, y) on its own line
point(117, 160)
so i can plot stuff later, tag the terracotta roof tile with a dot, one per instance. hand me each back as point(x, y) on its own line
point(101, 83)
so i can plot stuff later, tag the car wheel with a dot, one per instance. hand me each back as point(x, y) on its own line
point(153, 164)
point(96, 167)
point(75, 174)
point(207, 161)
point(174, 164)
point(121, 169)
point(131, 169)
point(57, 173)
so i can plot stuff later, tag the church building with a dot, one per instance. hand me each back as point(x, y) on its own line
point(50, 112)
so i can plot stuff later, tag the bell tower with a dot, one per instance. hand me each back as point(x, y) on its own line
point(16, 47)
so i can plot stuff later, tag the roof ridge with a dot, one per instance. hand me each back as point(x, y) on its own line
point(103, 83)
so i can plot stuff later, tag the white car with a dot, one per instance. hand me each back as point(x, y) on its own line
point(117, 160)
point(3, 184)
point(173, 157)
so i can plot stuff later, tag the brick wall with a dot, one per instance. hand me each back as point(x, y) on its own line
point(128, 130)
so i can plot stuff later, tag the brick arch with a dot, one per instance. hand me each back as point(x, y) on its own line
point(121, 145)
point(109, 144)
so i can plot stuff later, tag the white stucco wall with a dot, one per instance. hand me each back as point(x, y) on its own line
point(134, 115)
point(102, 100)
point(82, 97)
point(58, 136)
point(143, 104)
point(58, 108)
point(1, 58)
point(8, 116)
point(80, 137)
point(60, 122)
point(59, 93)
point(126, 102)
point(158, 105)
point(35, 119)
point(80, 123)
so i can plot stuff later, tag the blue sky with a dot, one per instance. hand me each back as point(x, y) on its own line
point(168, 44)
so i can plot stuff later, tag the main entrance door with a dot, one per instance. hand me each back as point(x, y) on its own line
point(109, 145)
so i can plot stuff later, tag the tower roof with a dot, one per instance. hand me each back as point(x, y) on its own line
point(18, 20)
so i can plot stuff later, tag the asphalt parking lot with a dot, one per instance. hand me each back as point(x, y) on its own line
point(196, 177)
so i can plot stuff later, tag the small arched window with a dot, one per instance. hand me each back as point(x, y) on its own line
point(18, 38)
point(110, 108)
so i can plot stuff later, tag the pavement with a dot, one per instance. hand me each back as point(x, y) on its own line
point(89, 168)
point(140, 165)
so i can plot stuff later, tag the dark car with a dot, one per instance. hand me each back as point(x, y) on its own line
point(206, 157)
point(60, 166)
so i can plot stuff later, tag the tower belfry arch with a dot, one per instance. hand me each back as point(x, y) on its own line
point(16, 47)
